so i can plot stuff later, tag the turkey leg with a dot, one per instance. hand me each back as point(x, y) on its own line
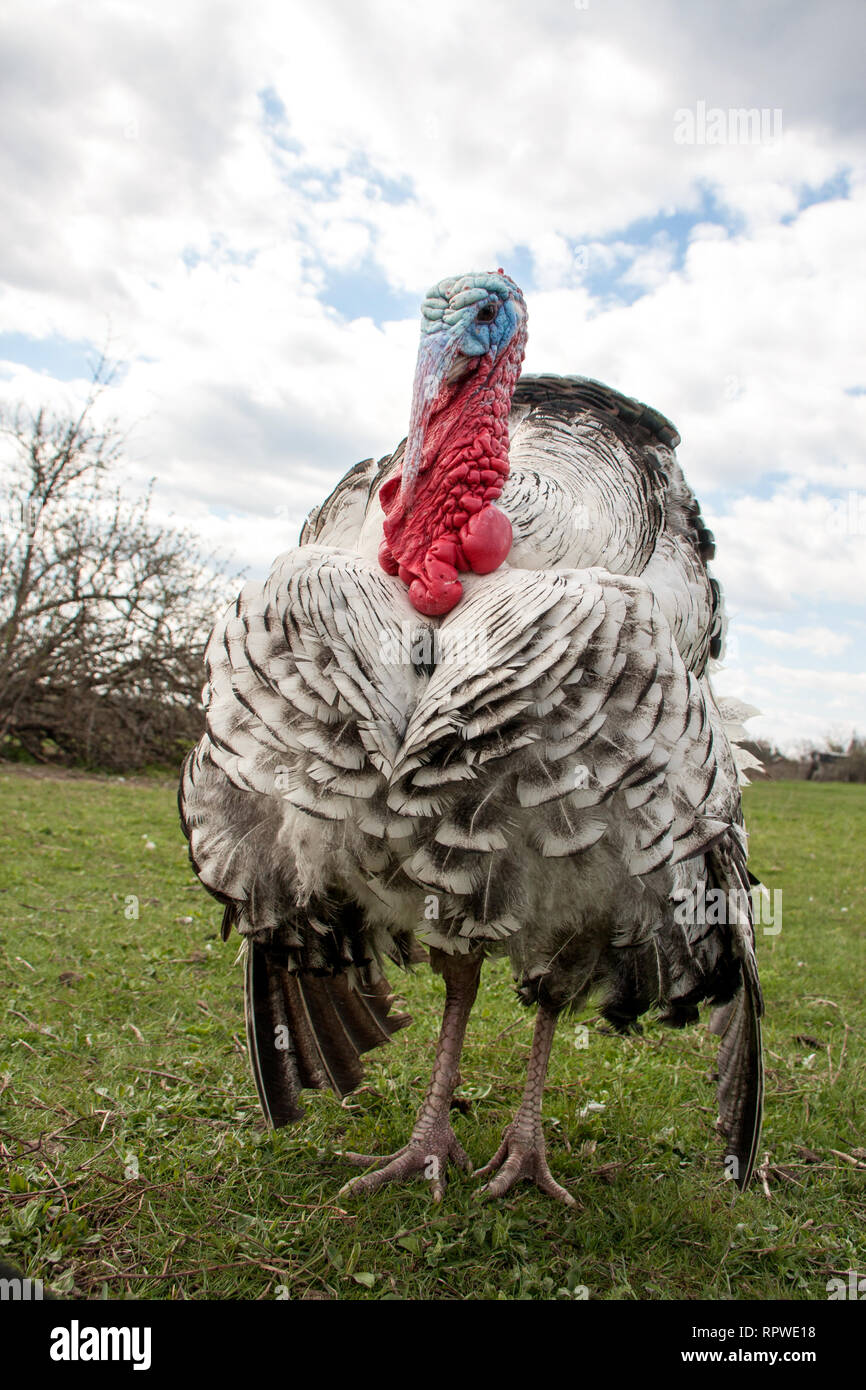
point(433, 1143)
point(522, 1152)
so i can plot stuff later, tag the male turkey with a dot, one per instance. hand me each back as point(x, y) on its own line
point(525, 761)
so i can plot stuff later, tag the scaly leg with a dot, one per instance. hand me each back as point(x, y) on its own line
point(522, 1152)
point(433, 1143)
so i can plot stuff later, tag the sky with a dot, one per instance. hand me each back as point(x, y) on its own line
point(246, 202)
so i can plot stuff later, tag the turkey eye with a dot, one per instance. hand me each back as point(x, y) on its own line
point(487, 313)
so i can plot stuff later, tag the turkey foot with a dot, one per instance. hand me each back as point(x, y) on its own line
point(522, 1152)
point(426, 1154)
point(521, 1155)
point(433, 1143)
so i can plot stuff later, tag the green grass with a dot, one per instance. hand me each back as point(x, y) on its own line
point(133, 1161)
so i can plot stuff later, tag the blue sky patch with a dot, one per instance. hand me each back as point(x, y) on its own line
point(837, 187)
point(218, 254)
point(750, 648)
point(609, 284)
point(393, 191)
point(62, 358)
point(365, 293)
point(276, 120)
point(677, 226)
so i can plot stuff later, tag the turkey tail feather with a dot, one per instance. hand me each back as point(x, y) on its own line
point(308, 1031)
point(741, 1077)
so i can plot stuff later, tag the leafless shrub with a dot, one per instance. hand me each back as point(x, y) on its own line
point(103, 612)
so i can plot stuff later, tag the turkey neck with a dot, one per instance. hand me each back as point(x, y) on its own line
point(464, 466)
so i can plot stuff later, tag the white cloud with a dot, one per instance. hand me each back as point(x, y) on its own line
point(820, 641)
point(779, 552)
point(749, 349)
point(797, 705)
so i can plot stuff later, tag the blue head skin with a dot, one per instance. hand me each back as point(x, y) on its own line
point(470, 324)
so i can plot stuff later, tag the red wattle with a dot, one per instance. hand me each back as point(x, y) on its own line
point(438, 572)
point(388, 492)
point(386, 559)
point(486, 540)
point(434, 599)
point(445, 548)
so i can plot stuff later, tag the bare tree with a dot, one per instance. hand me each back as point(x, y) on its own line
point(103, 613)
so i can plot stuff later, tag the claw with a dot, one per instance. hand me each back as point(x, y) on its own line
point(520, 1157)
point(426, 1156)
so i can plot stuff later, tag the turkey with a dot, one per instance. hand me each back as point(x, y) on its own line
point(469, 715)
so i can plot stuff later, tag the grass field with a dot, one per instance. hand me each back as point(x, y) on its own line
point(134, 1162)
